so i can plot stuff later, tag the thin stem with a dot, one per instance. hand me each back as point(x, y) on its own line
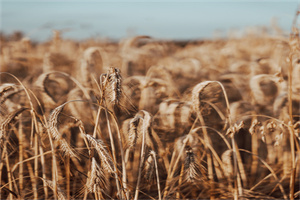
point(36, 164)
point(113, 151)
point(157, 175)
point(171, 172)
point(8, 174)
point(209, 156)
point(141, 165)
point(30, 170)
point(97, 122)
point(180, 181)
point(68, 175)
point(270, 169)
point(293, 173)
point(237, 183)
point(21, 168)
point(124, 175)
point(43, 164)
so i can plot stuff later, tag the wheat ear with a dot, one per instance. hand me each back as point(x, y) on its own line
point(145, 127)
point(8, 120)
point(111, 85)
point(106, 160)
point(196, 92)
point(52, 125)
point(97, 181)
point(60, 194)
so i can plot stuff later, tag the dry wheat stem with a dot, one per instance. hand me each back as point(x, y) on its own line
point(196, 92)
point(34, 120)
point(43, 163)
point(97, 178)
point(113, 150)
point(9, 174)
point(234, 62)
point(295, 33)
point(124, 173)
point(60, 194)
point(214, 154)
point(54, 163)
point(145, 126)
point(153, 154)
point(270, 169)
point(8, 120)
point(175, 162)
point(170, 175)
point(180, 181)
point(102, 152)
point(110, 87)
point(21, 149)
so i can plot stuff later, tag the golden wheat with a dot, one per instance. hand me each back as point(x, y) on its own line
point(190, 120)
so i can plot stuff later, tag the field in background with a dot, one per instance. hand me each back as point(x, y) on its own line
point(150, 119)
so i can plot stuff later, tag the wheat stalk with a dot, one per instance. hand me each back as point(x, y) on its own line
point(106, 160)
point(97, 181)
point(145, 131)
point(92, 62)
point(111, 84)
point(7, 121)
point(60, 194)
point(132, 133)
point(150, 164)
point(46, 97)
point(227, 163)
point(52, 125)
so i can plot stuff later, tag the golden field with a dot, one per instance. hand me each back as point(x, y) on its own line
point(149, 119)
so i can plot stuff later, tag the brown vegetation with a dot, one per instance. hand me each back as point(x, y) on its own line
point(149, 119)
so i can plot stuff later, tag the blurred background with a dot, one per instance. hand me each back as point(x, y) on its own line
point(116, 19)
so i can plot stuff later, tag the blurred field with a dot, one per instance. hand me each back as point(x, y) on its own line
point(149, 119)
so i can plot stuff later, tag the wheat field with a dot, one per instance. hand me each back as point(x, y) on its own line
point(149, 119)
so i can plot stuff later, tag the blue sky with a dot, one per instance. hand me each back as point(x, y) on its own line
point(160, 19)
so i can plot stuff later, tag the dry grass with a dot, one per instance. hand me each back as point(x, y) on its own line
point(148, 119)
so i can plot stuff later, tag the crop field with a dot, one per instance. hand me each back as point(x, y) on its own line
point(149, 119)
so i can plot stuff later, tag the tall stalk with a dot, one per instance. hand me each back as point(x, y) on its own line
point(113, 152)
point(294, 49)
point(21, 153)
point(141, 164)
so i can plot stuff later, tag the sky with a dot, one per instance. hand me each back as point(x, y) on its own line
point(165, 19)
